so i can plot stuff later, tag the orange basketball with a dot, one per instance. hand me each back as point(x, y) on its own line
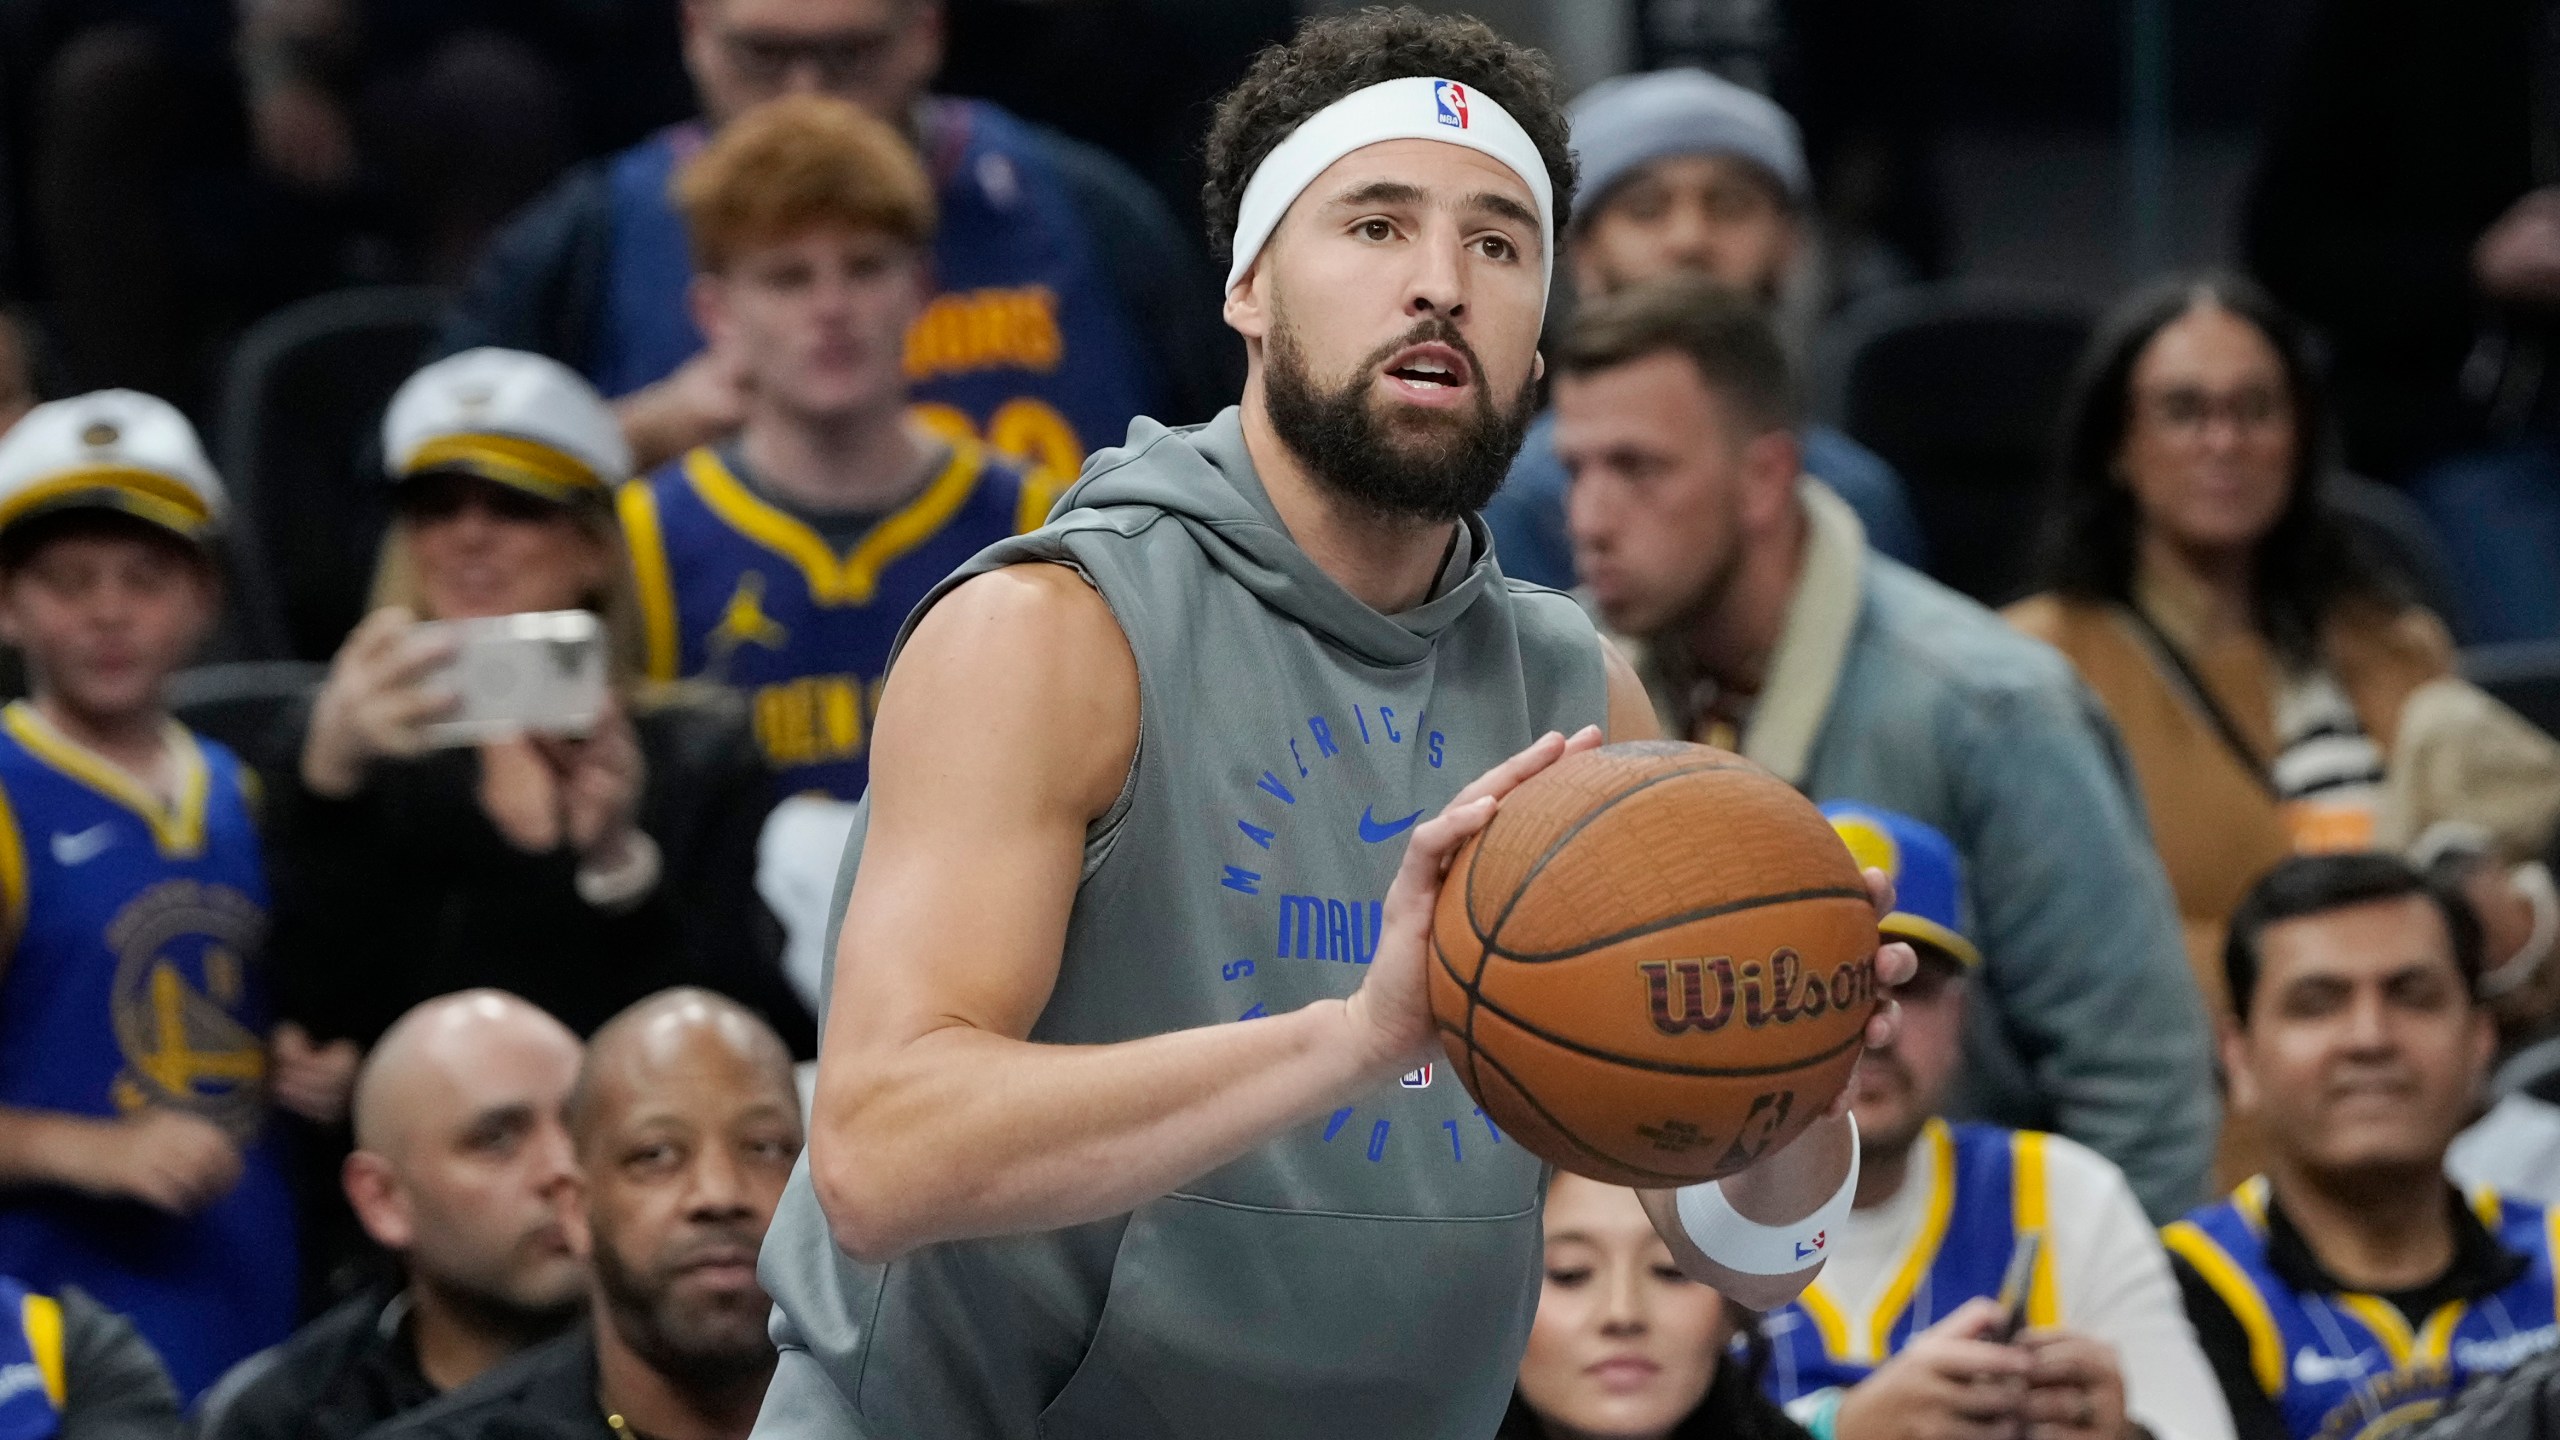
point(1655, 965)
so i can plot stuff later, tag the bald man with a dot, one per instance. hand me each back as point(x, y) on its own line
point(461, 1166)
point(686, 1124)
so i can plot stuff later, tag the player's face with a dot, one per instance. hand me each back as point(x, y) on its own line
point(105, 619)
point(1393, 323)
point(819, 322)
point(486, 549)
point(683, 1167)
point(483, 1169)
point(1624, 1343)
point(1898, 1087)
point(2209, 446)
point(1666, 489)
point(1714, 215)
point(878, 54)
point(2363, 1051)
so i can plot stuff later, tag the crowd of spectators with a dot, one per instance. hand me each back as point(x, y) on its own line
point(358, 1082)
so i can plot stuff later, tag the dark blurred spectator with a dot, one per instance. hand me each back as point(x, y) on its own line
point(2416, 222)
point(193, 167)
point(462, 1157)
point(1902, 1334)
point(580, 874)
point(2258, 666)
point(1070, 301)
point(71, 1369)
point(139, 1157)
point(2351, 1288)
point(1761, 622)
point(17, 369)
point(686, 1124)
point(1625, 1343)
point(783, 562)
point(1684, 172)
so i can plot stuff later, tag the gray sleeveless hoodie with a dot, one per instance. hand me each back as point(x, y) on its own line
point(1369, 1273)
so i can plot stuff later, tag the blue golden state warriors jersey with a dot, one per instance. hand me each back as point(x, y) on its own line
point(32, 1380)
point(1986, 1188)
point(1028, 347)
point(737, 591)
point(132, 979)
point(2350, 1366)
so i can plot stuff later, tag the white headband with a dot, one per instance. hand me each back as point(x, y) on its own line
point(1416, 107)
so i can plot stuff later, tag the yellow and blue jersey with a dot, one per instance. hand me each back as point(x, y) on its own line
point(32, 1380)
point(131, 977)
point(736, 590)
point(1986, 1188)
point(2340, 1365)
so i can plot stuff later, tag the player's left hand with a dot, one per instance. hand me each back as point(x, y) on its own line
point(1896, 962)
point(2075, 1388)
point(310, 1079)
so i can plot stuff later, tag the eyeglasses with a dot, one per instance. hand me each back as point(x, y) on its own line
point(842, 60)
point(2189, 409)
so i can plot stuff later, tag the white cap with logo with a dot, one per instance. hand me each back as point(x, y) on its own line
point(516, 418)
point(112, 450)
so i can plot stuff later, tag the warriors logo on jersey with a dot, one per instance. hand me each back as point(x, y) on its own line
point(736, 590)
point(2349, 1366)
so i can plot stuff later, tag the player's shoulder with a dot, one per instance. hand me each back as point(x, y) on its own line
point(1027, 606)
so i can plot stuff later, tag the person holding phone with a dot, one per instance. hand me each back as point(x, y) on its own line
point(581, 871)
point(1988, 1282)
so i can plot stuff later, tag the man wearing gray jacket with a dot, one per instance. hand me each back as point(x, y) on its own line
point(1766, 625)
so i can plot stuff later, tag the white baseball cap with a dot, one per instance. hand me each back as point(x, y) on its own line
point(110, 450)
point(518, 419)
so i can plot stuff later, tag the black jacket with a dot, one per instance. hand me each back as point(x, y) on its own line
point(114, 1387)
point(2523, 1404)
point(406, 891)
point(333, 1379)
point(546, 1393)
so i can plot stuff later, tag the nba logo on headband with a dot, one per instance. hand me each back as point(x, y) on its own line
point(1451, 97)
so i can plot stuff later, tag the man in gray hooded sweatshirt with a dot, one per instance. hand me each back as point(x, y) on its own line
point(1109, 1138)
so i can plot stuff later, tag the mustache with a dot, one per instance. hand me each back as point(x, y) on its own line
point(1433, 329)
point(713, 1242)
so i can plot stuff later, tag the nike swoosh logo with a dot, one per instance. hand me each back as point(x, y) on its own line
point(1373, 832)
point(85, 846)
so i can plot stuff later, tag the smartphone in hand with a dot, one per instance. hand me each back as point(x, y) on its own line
point(2016, 1283)
point(533, 674)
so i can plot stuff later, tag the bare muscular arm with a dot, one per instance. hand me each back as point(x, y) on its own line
point(1008, 724)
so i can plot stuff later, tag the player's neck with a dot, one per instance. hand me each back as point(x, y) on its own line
point(2374, 1230)
point(862, 462)
point(1388, 563)
point(1734, 630)
point(134, 741)
point(654, 1405)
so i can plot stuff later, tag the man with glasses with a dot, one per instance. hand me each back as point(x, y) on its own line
point(1068, 300)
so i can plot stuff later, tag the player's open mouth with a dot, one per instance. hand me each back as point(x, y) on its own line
point(1432, 373)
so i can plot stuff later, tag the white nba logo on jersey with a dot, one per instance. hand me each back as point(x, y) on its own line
point(1417, 1079)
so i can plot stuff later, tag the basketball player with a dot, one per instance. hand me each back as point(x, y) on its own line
point(781, 561)
point(138, 1157)
point(1089, 1158)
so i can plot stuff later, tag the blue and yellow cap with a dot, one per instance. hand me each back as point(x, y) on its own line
point(1928, 877)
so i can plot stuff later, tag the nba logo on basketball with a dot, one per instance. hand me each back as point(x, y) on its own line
point(1417, 1079)
point(1452, 99)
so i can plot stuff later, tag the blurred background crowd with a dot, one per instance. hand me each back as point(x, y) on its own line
point(2113, 451)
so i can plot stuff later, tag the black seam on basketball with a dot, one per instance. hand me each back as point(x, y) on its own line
point(1470, 992)
point(1539, 865)
point(1650, 927)
point(1665, 1067)
point(1576, 1141)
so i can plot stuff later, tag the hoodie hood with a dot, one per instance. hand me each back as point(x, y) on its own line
point(1201, 477)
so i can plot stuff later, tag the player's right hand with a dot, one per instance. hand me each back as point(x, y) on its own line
point(1953, 1381)
point(376, 703)
point(166, 1159)
point(1391, 1011)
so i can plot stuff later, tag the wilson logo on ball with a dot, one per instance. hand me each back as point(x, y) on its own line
point(1678, 992)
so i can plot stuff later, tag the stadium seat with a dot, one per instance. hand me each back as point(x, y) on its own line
point(2523, 673)
point(240, 704)
point(1960, 385)
point(296, 435)
point(2394, 531)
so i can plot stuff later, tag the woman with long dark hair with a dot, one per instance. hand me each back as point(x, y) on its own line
point(1625, 1345)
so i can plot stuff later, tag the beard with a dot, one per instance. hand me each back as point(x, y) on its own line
point(704, 1345)
point(1419, 464)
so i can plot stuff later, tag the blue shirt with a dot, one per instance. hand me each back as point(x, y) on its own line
point(1027, 347)
point(1526, 515)
point(32, 1382)
point(135, 979)
point(736, 590)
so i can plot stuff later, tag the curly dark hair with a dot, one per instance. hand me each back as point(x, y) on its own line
point(1334, 55)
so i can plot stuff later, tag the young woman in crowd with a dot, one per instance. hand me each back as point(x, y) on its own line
point(581, 874)
point(2258, 664)
point(1625, 1346)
